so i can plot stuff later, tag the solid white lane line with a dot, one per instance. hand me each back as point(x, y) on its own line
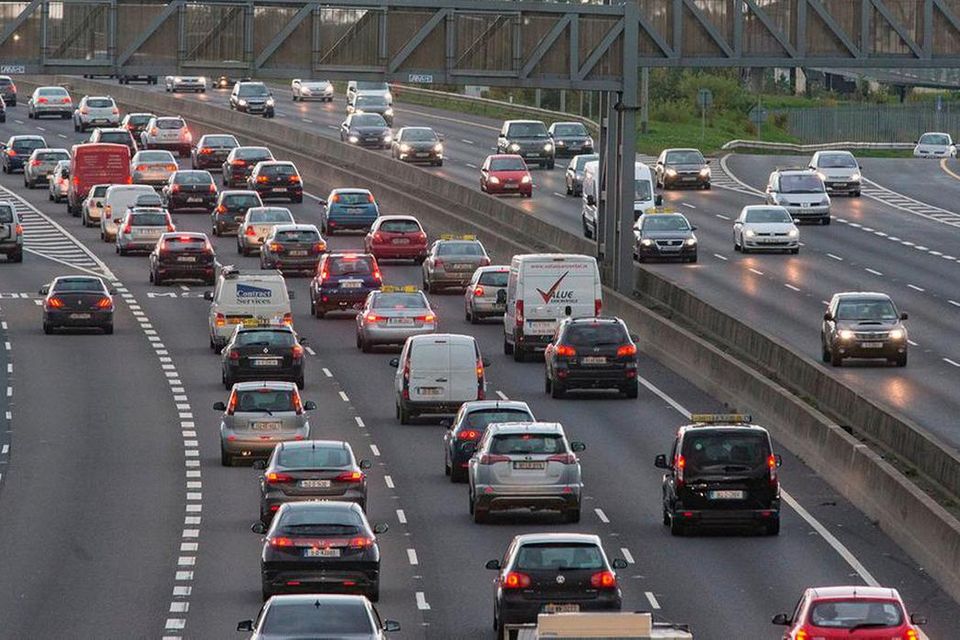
point(627, 555)
point(472, 166)
point(837, 258)
point(412, 557)
point(503, 396)
point(873, 271)
point(759, 273)
point(916, 288)
point(949, 361)
point(422, 603)
point(954, 303)
point(720, 257)
point(600, 514)
point(6, 449)
point(790, 286)
point(344, 397)
point(721, 216)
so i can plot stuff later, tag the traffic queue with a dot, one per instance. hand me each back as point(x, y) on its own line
point(722, 470)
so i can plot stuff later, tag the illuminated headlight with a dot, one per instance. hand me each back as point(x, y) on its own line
point(270, 102)
point(793, 233)
point(560, 143)
point(328, 89)
point(855, 177)
point(750, 233)
point(647, 242)
point(825, 202)
point(388, 113)
point(178, 79)
point(671, 172)
point(589, 142)
point(846, 334)
point(821, 175)
point(353, 139)
point(438, 148)
point(548, 147)
point(242, 102)
point(388, 138)
point(202, 80)
point(493, 180)
point(525, 180)
point(705, 171)
point(388, 97)
point(514, 147)
point(691, 242)
point(896, 334)
point(405, 148)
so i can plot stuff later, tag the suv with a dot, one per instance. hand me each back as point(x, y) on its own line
point(276, 179)
point(721, 471)
point(343, 281)
point(8, 91)
point(170, 132)
point(591, 353)
point(863, 325)
point(17, 149)
point(529, 139)
point(469, 425)
point(802, 192)
point(95, 111)
point(11, 233)
point(252, 97)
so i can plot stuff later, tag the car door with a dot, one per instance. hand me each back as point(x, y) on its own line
point(463, 379)
point(772, 187)
point(738, 227)
point(430, 371)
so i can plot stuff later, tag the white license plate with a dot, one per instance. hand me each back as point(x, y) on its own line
point(840, 185)
point(430, 391)
point(593, 360)
point(871, 345)
point(265, 426)
point(400, 321)
point(561, 608)
point(423, 155)
point(194, 199)
point(540, 328)
point(510, 185)
point(265, 362)
point(462, 267)
point(187, 259)
point(401, 241)
point(79, 316)
point(279, 189)
point(528, 465)
point(298, 253)
point(314, 484)
point(726, 494)
point(146, 233)
point(321, 553)
point(351, 284)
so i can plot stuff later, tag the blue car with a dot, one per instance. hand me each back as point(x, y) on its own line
point(348, 209)
point(17, 150)
point(343, 282)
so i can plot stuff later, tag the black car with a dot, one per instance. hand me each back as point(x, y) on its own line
point(137, 77)
point(3, 110)
point(575, 173)
point(366, 130)
point(183, 256)
point(8, 91)
point(294, 617)
point(292, 247)
point(469, 425)
point(240, 163)
point(77, 302)
point(231, 209)
point(591, 353)
point(311, 470)
point(418, 144)
point(263, 353)
point(115, 136)
point(528, 139)
point(276, 179)
point(320, 547)
point(343, 281)
point(553, 573)
point(721, 472)
point(664, 236)
point(682, 168)
point(17, 149)
point(570, 138)
point(863, 325)
point(212, 150)
point(190, 189)
point(135, 123)
point(252, 97)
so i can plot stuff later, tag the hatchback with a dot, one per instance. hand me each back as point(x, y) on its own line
point(95, 111)
point(486, 293)
point(343, 282)
point(40, 166)
point(502, 174)
point(346, 209)
point(135, 123)
point(169, 132)
point(11, 233)
point(850, 612)
point(212, 150)
point(392, 315)
point(183, 256)
point(263, 353)
point(240, 162)
point(231, 209)
point(276, 179)
point(292, 248)
point(60, 181)
point(114, 136)
point(140, 229)
point(396, 238)
point(190, 189)
point(17, 149)
point(318, 615)
point(92, 209)
point(152, 167)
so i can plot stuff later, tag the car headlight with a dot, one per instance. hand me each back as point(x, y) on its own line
point(825, 202)
point(405, 148)
point(388, 112)
point(821, 175)
point(793, 233)
point(178, 79)
point(514, 147)
point(354, 139)
point(493, 180)
point(548, 147)
point(388, 97)
point(525, 180)
point(328, 89)
point(671, 172)
point(846, 334)
point(202, 80)
point(691, 242)
point(588, 142)
point(647, 242)
point(750, 233)
point(560, 143)
point(855, 177)
point(705, 171)
point(270, 102)
point(388, 138)
point(242, 102)
point(438, 148)
point(896, 334)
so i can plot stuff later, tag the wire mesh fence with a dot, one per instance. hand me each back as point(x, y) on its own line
point(872, 122)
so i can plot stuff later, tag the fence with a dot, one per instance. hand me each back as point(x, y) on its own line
point(872, 122)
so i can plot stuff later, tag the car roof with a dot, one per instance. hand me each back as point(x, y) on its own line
point(112, 130)
point(169, 117)
point(394, 218)
point(268, 207)
point(794, 170)
point(276, 163)
point(350, 190)
point(441, 337)
point(191, 171)
point(265, 384)
point(539, 538)
point(853, 592)
point(484, 405)
point(523, 122)
point(861, 295)
point(101, 97)
point(729, 427)
point(501, 268)
point(311, 599)
point(496, 156)
point(296, 227)
point(681, 149)
point(596, 320)
point(753, 207)
point(26, 137)
point(79, 278)
point(526, 427)
point(238, 192)
point(321, 505)
point(249, 147)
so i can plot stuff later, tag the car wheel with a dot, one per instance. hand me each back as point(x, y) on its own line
point(518, 353)
point(108, 329)
point(17, 257)
point(902, 359)
point(226, 380)
point(480, 516)
point(226, 460)
point(569, 190)
point(586, 230)
point(301, 382)
point(676, 527)
point(772, 528)
point(825, 221)
point(551, 165)
point(835, 358)
point(856, 194)
point(507, 348)
point(374, 593)
point(824, 351)
point(666, 517)
point(557, 390)
point(547, 384)
point(47, 328)
point(404, 414)
point(632, 391)
point(707, 186)
point(457, 474)
point(365, 346)
point(795, 251)
point(572, 516)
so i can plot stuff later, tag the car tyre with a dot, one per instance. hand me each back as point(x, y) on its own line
point(824, 351)
point(365, 346)
point(825, 221)
point(108, 329)
point(632, 391)
point(507, 348)
point(518, 353)
point(373, 595)
point(227, 461)
point(835, 358)
point(666, 517)
point(572, 516)
point(676, 527)
point(301, 382)
point(457, 475)
point(772, 528)
point(547, 384)
point(404, 414)
point(902, 359)
point(557, 391)
point(551, 164)
point(47, 328)
point(16, 257)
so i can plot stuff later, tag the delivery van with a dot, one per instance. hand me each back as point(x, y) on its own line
point(436, 373)
point(248, 298)
point(542, 289)
point(643, 196)
point(92, 164)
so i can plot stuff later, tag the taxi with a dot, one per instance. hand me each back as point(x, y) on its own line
point(393, 314)
point(452, 261)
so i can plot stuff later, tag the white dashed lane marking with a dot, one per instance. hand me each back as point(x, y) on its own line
point(759, 273)
point(412, 557)
point(837, 258)
point(503, 396)
point(916, 288)
point(873, 271)
point(388, 481)
point(422, 603)
point(344, 396)
point(720, 257)
point(652, 599)
point(603, 517)
point(627, 555)
point(790, 286)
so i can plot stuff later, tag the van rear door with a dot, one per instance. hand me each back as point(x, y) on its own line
point(430, 370)
point(556, 288)
point(463, 371)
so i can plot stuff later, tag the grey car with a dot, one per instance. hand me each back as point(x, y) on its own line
point(40, 165)
point(418, 144)
point(11, 233)
point(451, 262)
point(50, 101)
point(92, 209)
point(570, 138)
point(256, 226)
point(528, 139)
point(802, 192)
point(863, 325)
point(140, 229)
point(575, 171)
point(260, 415)
point(310, 470)
point(839, 171)
point(486, 294)
point(525, 465)
point(153, 167)
point(677, 168)
point(393, 314)
point(292, 247)
point(468, 426)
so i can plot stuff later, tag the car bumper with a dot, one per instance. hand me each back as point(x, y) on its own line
point(238, 178)
point(686, 181)
point(278, 192)
point(484, 308)
point(727, 517)
point(187, 87)
point(227, 223)
point(328, 577)
point(191, 201)
point(270, 504)
point(858, 350)
point(421, 156)
point(595, 377)
point(656, 253)
point(502, 498)
point(53, 110)
point(448, 279)
point(11, 246)
point(438, 407)
point(573, 150)
point(186, 270)
point(174, 145)
point(136, 245)
point(256, 447)
point(393, 335)
point(398, 251)
point(533, 340)
point(291, 374)
point(842, 186)
point(354, 222)
point(501, 189)
point(100, 122)
point(779, 245)
point(308, 263)
point(67, 319)
point(152, 179)
point(208, 161)
point(256, 110)
point(332, 300)
point(520, 609)
point(811, 213)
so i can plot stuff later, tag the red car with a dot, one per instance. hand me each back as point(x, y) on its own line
point(850, 613)
point(505, 173)
point(396, 238)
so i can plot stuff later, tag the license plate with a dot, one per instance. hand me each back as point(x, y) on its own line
point(146, 233)
point(265, 426)
point(351, 284)
point(462, 267)
point(510, 185)
point(298, 253)
point(79, 316)
point(275, 189)
point(371, 139)
point(354, 209)
point(871, 345)
point(265, 362)
point(401, 241)
point(187, 259)
point(839, 185)
point(593, 360)
point(500, 307)
point(194, 199)
point(430, 391)
point(248, 322)
point(561, 608)
point(314, 484)
point(400, 321)
point(529, 465)
point(804, 204)
point(321, 553)
point(726, 494)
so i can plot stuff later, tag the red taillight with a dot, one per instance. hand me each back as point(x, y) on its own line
point(141, 167)
point(42, 101)
point(801, 634)
point(319, 247)
point(361, 542)
point(772, 467)
point(519, 313)
point(468, 434)
point(297, 352)
point(288, 319)
point(172, 167)
point(421, 236)
point(76, 180)
point(294, 179)
point(130, 127)
point(604, 580)
point(626, 350)
point(128, 228)
point(563, 458)
point(170, 227)
point(65, 100)
point(427, 318)
point(371, 318)
point(516, 580)
point(438, 263)
point(323, 275)
point(213, 188)
point(281, 542)
point(263, 179)
point(35, 163)
point(11, 152)
point(221, 209)
point(378, 237)
point(478, 291)
point(491, 458)
point(232, 403)
point(377, 275)
point(55, 303)
point(350, 476)
point(206, 151)
point(19, 229)
point(276, 247)
point(220, 320)
point(104, 303)
point(175, 188)
point(297, 404)
point(370, 198)
point(679, 464)
point(239, 163)
point(277, 478)
point(85, 110)
point(597, 306)
point(565, 351)
point(250, 232)
point(234, 354)
point(406, 380)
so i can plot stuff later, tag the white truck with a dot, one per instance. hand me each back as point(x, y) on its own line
point(606, 625)
point(644, 197)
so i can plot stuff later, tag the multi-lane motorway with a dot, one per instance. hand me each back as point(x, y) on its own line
point(119, 522)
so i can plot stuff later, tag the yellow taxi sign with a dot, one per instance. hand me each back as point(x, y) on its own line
point(649, 210)
point(407, 288)
point(453, 236)
point(720, 418)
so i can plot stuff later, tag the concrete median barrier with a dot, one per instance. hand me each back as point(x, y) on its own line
point(798, 400)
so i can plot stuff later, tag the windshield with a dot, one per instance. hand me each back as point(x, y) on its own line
point(314, 457)
point(271, 215)
point(866, 310)
point(352, 197)
point(298, 235)
point(684, 157)
point(368, 120)
point(800, 183)
point(656, 222)
point(252, 90)
point(581, 161)
point(508, 164)
point(307, 620)
point(144, 119)
point(251, 153)
point(170, 123)
point(348, 266)
point(719, 450)
point(78, 284)
point(860, 614)
point(400, 226)
point(527, 130)
point(264, 400)
point(521, 444)
point(559, 555)
point(6, 214)
point(154, 156)
point(99, 103)
point(768, 215)
point(460, 249)
point(584, 335)
point(642, 190)
point(419, 135)
point(480, 420)
point(572, 130)
point(219, 141)
point(494, 278)
point(265, 338)
point(372, 86)
point(399, 301)
point(935, 138)
point(368, 100)
point(837, 161)
point(148, 219)
point(193, 177)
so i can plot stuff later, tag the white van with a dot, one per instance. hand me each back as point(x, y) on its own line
point(436, 373)
point(248, 298)
point(644, 197)
point(542, 289)
point(115, 203)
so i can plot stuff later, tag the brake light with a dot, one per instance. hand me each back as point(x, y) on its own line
point(35, 163)
point(361, 542)
point(250, 232)
point(234, 354)
point(297, 352)
point(76, 180)
point(350, 476)
point(263, 179)
point(565, 351)
point(104, 303)
point(213, 188)
point(406, 380)
point(371, 318)
point(206, 151)
point(912, 634)
point(170, 226)
point(802, 634)
point(141, 167)
point(11, 152)
point(626, 350)
point(421, 236)
point(478, 291)
point(172, 167)
point(519, 313)
point(516, 580)
point(319, 247)
point(128, 228)
point(604, 580)
point(679, 464)
point(438, 263)
point(377, 275)
point(481, 392)
point(323, 275)
point(239, 163)
point(370, 198)
point(221, 209)
point(19, 229)
point(378, 237)
point(42, 101)
point(55, 303)
point(277, 478)
point(175, 188)
point(563, 458)
point(294, 179)
point(468, 434)
point(232, 403)
point(276, 247)
point(597, 306)
point(484, 262)
point(130, 127)
point(288, 319)
point(13, 87)
point(427, 318)
point(220, 320)
point(281, 542)
point(491, 458)
point(65, 100)
point(772, 466)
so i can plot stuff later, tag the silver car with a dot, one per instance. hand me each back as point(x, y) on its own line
point(50, 101)
point(802, 192)
point(152, 167)
point(935, 145)
point(393, 314)
point(257, 416)
point(486, 294)
point(525, 465)
point(140, 229)
point(11, 233)
point(95, 111)
point(256, 227)
point(40, 165)
point(60, 181)
point(92, 209)
point(839, 171)
point(452, 261)
point(321, 90)
point(178, 84)
point(169, 132)
point(764, 228)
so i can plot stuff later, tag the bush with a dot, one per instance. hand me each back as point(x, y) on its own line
point(728, 92)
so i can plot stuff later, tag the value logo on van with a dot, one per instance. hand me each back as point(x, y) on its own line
point(249, 293)
point(552, 291)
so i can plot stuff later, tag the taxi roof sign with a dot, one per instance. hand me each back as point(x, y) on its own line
point(453, 236)
point(721, 418)
point(407, 288)
point(660, 210)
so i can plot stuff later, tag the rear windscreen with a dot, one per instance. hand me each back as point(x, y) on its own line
point(352, 198)
point(148, 219)
point(480, 419)
point(722, 451)
point(278, 170)
point(271, 216)
point(527, 443)
point(265, 400)
point(21, 145)
point(53, 155)
point(559, 556)
point(400, 226)
point(253, 152)
point(856, 614)
point(242, 201)
point(594, 335)
point(348, 266)
point(297, 236)
point(155, 156)
point(219, 141)
point(295, 620)
point(170, 123)
point(265, 339)
point(399, 301)
point(193, 177)
point(494, 278)
point(99, 103)
point(460, 249)
point(314, 458)
point(321, 522)
point(78, 284)
point(115, 137)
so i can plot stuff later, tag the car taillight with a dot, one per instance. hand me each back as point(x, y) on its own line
point(565, 351)
point(319, 247)
point(35, 163)
point(76, 180)
point(276, 247)
point(378, 237)
point(604, 580)
point(220, 320)
point(288, 319)
point(297, 352)
point(11, 152)
point(115, 111)
point(141, 167)
point(519, 313)
point(232, 403)
point(491, 458)
point(234, 354)
point(55, 303)
point(468, 434)
point(801, 634)
point(172, 167)
point(294, 179)
point(186, 135)
point(42, 101)
point(170, 226)
point(175, 188)
point(297, 404)
point(370, 198)
point(371, 318)
point(104, 303)
point(281, 542)
point(361, 542)
point(263, 179)
point(65, 100)
point(516, 580)
point(912, 634)
point(438, 263)
point(478, 291)
point(19, 229)
point(213, 188)
point(772, 467)
point(597, 306)
point(206, 151)
point(427, 318)
point(481, 391)
point(131, 127)
point(377, 275)
point(323, 276)
point(626, 350)
point(239, 163)
point(679, 464)
point(406, 380)
point(563, 458)
point(421, 236)
point(221, 209)
point(250, 232)
point(128, 228)
point(277, 478)
point(350, 476)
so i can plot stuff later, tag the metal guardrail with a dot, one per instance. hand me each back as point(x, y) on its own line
point(809, 148)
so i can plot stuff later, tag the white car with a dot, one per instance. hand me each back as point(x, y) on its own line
point(179, 84)
point(763, 227)
point(360, 86)
point(167, 132)
point(839, 171)
point(60, 181)
point(321, 90)
point(92, 209)
point(935, 145)
point(95, 111)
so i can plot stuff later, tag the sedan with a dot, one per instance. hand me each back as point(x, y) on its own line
point(469, 425)
point(180, 84)
point(240, 162)
point(117, 135)
point(292, 247)
point(152, 167)
point(231, 209)
point(765, 228)
point(77, 301)
point(40, 165)
point(190, 189)
point(418, 144)
point(263, 353)
point(591, 353)
point(392, 315)
point(311, 470)
point(318, 616)
point(140, 228)
point(682, 168)
point(256, 227)
point(366, 130)
point(839, 171)
point(396, 238)
point(212, 150)
point(320, 547)
point(451, 262)
point(49, 100)
point(343, 282)
point(506, 174)
point(570, 138)
point(371, 103)
point(258, 416)
point(276, 179)
point(183, 256)
point(321, 90)
point(486, 293)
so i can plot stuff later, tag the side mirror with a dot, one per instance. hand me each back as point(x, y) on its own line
point(796, 221)
point(660, 462)
point(707, 162)
point(365, 464)
point(904, 316)
point(493, 565)
point(309, 405)
point(394, 362)
point(381, 527)
point(469, 447)
point(45, 289)
point(918, 620)
point(258, 528)
point(658, 200)
point(260, 465)
point(219, 406)
point(484, 170)
point(781, 619)
point(778, 459)
point(693, 227)
point(292, 295)
point(577, 447)
point(323, 203)
point(634, 337)
point(208, 295)
point(113, 291)
point(391, 625)
point(827, 315)
point(619, 563)
point(303, 341)
point(245, 625)
point(441, 137)
point(485, 362)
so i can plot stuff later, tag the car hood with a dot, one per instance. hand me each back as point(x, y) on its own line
point(370, 131)
point(868, 325)
point(421, 144)
point(840, 172)
point(528, 140)
point(667, 235)
point(374, 108)
point(577, 138)
point(685, 167)
point(770, 227)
